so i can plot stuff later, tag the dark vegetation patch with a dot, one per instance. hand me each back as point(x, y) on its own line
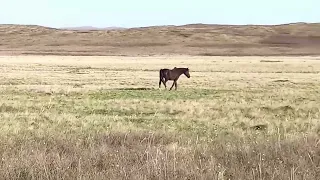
point(282, 80)
point(152, 94)
point(292, 41)
point(270, 61)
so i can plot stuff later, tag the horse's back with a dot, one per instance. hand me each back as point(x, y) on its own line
point(164, 70)
point(164, 73)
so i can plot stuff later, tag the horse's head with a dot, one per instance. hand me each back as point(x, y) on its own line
point(186, 72)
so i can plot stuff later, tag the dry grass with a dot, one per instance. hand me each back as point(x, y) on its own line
point(209, 40)
point(97, 117)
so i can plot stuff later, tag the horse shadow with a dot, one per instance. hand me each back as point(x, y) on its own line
point(135, 89)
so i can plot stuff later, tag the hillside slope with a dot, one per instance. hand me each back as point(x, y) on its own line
point(192, 39)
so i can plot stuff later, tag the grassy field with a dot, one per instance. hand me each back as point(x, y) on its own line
point(105, 118)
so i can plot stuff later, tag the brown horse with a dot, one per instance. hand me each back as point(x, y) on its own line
point(173, 75)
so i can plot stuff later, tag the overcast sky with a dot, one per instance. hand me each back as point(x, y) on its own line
point(137, 13)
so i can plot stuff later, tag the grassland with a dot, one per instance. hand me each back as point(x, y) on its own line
point(192, 39)
point(105, 118)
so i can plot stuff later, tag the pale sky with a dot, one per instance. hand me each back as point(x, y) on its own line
point(137, 13)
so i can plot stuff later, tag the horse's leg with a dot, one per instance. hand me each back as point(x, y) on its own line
point(160, 82)
point(173, 84)
point(176, 85)
point(165, 83)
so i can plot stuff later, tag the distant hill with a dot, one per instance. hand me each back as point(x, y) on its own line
point(190, 39)
point(89, 28)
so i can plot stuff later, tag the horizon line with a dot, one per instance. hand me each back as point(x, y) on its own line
point(175, 25)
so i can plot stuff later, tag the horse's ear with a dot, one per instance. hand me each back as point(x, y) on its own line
point(175, 67)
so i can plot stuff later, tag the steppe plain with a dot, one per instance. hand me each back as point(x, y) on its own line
point(70, 112)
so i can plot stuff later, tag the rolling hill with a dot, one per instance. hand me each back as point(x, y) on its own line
point(191, 39)
point(89, 28)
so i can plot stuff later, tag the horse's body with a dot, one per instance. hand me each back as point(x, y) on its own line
point(173, 75)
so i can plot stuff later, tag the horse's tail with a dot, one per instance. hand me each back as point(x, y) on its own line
point(160, 76)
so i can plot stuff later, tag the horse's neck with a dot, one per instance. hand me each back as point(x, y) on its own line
point(176, 74)
point(180, 71)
